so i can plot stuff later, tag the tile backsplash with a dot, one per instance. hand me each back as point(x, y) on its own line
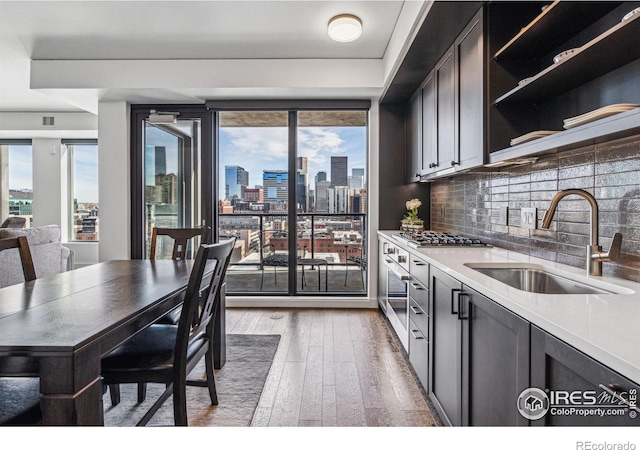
point(474, 204)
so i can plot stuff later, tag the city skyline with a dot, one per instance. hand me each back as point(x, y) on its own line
point(245, 147)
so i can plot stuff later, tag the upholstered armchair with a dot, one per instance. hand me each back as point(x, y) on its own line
point(48, 253)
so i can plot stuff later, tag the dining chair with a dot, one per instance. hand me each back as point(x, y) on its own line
point(181, 238)
point(165, 353)
point(22, 244)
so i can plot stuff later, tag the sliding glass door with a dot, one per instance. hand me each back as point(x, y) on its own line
point(253, 186)
point(293, 192)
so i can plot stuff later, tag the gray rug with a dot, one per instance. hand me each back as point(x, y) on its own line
point(239, 384)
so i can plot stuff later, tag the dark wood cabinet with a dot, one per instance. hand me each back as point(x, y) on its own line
point(452, 108)
point(445, 347)
point(413, 138)
point(495, 361)
point(470, 96)
point(419, 318)
point(558, 367)
point(445, 75)
point(480, 362)
point(429, 125)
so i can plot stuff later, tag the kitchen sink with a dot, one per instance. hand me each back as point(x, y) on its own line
point(536, 280)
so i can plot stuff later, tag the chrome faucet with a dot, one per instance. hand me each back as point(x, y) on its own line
point(595, 255)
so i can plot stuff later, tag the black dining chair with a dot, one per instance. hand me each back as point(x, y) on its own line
point(20, 397)
point(181, 238)
point(165, 353)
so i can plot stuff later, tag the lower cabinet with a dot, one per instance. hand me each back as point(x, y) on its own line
point(495, 361)
point(480, 361)
point(445, 381)
point(582, 391)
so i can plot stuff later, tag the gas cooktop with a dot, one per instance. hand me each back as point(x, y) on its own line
point(419, 239)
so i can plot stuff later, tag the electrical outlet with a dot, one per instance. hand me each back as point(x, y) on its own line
point(503, 218)
point(529, 218)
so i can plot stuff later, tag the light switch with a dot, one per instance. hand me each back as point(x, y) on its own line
point(529, 218)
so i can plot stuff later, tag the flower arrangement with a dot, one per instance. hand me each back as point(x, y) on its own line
point(412, 216)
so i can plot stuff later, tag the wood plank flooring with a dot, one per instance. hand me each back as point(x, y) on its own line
point(334, 367)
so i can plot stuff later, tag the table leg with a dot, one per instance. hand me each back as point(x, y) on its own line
point(71, 389)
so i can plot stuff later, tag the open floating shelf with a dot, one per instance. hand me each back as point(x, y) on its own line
point(608, 128)
point(612, 49)
point(553, 26)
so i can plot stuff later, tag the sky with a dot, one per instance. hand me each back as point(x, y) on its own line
point(85, 169)
point(257, 149)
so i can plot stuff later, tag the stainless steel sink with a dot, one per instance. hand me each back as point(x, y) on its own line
point(537, 281)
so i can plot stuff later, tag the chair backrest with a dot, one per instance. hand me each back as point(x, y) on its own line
point(181, 237)
point(22, 244)
point(14, 222)
point(199, 307)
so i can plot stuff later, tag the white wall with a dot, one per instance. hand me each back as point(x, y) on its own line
point(48, 192)
point(114, 180)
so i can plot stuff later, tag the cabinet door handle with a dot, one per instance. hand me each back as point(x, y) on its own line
point(417, 287)
point(455, 163)
point(416, 334)
point(616, 391)
point(415, 310)
point(420, 263)
point(453, 293)
point(461, 315)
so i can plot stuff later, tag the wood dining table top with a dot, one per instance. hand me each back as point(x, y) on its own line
point(66, 311)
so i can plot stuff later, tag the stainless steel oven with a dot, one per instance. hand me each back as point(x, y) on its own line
point(397, 296)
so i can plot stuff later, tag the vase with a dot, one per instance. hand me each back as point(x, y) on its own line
point(412, 228)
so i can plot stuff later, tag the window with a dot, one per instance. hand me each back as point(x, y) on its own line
point(272, 185)
point(83, 187)
point(16, 182)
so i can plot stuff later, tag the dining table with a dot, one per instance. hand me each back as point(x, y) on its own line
point(60, 326)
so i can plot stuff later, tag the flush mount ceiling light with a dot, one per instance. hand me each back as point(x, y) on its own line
point(345, 28)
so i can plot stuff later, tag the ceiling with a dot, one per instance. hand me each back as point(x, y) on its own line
point(194, 31)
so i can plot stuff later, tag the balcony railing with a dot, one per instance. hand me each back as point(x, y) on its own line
point(329, 257)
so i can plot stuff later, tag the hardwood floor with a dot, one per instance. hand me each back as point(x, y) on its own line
point(334, 367)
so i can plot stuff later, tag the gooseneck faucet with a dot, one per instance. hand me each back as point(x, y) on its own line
point(595, 255)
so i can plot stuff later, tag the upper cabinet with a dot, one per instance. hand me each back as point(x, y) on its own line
point(453, 99)
point(556, 73)
point(527, 78)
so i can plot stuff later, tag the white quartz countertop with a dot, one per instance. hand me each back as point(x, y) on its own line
point(603, 326)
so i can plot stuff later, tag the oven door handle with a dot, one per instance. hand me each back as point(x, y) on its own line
point(390, 265)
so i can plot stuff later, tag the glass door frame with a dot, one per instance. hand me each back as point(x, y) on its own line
point(292, 108)
point(139, 113)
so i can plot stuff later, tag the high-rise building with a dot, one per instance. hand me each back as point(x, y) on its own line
point(160, 154)
point(338, 200)
point(356, 180)
point(275, 183)
point(302, 184)
point(322, 196)
point(357, 172)
point(236, 179)
point(339, 171)
point(321, 176)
